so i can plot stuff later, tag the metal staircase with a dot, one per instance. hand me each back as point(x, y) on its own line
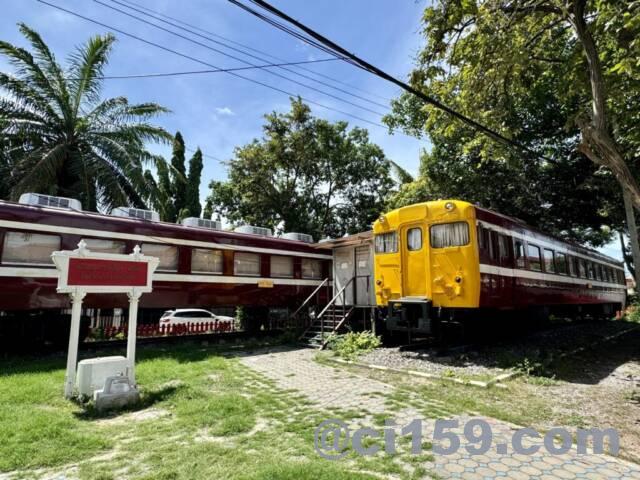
point(328, 321)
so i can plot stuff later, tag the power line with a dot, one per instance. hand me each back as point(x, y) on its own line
point(202, 62)
point(204, 154)
point(338, 51)
point(196, 42)
point(144, 10)
point(197, 72)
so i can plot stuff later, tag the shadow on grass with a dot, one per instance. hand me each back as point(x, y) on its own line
point(189, 351)
point(147, 399)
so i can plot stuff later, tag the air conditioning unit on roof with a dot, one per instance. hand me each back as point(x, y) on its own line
point(41, 200)
point(138, 213)
point(202, 223)
point(262, 231)
point(298, 237)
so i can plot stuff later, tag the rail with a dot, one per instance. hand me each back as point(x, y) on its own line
point(313, 294)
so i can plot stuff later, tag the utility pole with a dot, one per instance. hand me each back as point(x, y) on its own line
point(633, 234)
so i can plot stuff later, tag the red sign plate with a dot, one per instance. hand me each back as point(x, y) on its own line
point(107, 273)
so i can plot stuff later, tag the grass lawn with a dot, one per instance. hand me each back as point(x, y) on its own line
point(203, 416)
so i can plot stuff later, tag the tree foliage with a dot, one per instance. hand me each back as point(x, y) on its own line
point(521, 68)
point(59, 137)
point(193, 185)
point(305, 175)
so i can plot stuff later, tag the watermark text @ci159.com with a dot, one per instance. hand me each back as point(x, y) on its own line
point(333, 439)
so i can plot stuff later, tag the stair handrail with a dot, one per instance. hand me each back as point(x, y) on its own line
point(293, 315)
point(335, 298)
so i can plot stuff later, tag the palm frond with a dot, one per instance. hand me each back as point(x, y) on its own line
point(87, 65)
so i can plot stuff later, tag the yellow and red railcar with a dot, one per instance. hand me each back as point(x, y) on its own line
point(440, 260)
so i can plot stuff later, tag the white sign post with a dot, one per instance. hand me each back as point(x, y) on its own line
point(82, 271)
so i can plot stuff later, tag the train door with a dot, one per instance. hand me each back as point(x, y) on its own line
point(343, 271)
point(364, 272)
point(414, 261)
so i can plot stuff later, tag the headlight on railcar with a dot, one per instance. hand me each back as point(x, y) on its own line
point(450, 206)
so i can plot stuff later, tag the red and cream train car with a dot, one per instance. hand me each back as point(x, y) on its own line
point(201, 267)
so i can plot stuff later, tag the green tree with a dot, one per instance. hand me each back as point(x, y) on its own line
point(193, 184)
point(59, 137)
point(559, 76)
point(178, 176)
point(305, 175)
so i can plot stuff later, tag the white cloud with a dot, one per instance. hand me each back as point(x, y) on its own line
point(225, 111)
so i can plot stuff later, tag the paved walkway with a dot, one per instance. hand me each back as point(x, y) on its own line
point(328, 387)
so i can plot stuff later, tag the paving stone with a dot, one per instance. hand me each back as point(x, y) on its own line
point(333, 388)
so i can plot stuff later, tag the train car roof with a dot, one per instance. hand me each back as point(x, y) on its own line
point(16, 212)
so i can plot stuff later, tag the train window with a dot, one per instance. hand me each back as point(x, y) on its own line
point(535, 262)
point(281, 266)
point(590, 271)
point(549, 265)
point(503, 247)
point(104, 245)
point(311, 268)
point(167, 254)
point(599, 275)
point(561, 263)
point(494, 253)
point(387, 242)
point(454, 234)
point(519, 251)
point(29, 248)
point(573, 266)
point(246, 264)
point(414, 239)
point(582, 268)
point(481, 239)
point(204, 260)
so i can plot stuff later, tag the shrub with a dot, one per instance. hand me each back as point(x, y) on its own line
point(632, 314)
point(352, 344)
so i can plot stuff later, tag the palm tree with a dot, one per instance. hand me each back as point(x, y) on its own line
point(58, 137)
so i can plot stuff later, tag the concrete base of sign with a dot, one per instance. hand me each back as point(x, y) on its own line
point(117, 393)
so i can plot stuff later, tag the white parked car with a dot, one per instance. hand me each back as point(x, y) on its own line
point(183, 316)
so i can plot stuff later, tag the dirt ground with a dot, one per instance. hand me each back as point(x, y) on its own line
point(597, 386)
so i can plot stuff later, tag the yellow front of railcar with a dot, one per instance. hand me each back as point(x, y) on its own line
point(427, 253)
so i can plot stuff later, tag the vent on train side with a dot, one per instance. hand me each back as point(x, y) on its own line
point(298, 237)
point(202, 223)
point(262, 231)
point(49, 201)
point(138, 213)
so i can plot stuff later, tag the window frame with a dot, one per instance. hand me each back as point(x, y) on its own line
point(290, 259)
point(382, 236)
point(302, 275)
point(235, 265)
point(412, 229)
point(89, 239)
point(25, 232)
point(205, 272)
point(519, 256)
point(529, 257)
point(546, 259)
point(437, 225)
point(167, 245)
point(564, 262)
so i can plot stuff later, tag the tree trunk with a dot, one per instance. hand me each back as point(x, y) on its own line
point(633, 236)
point(597, 142)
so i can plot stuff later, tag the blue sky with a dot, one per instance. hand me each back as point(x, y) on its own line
point(217, 111)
